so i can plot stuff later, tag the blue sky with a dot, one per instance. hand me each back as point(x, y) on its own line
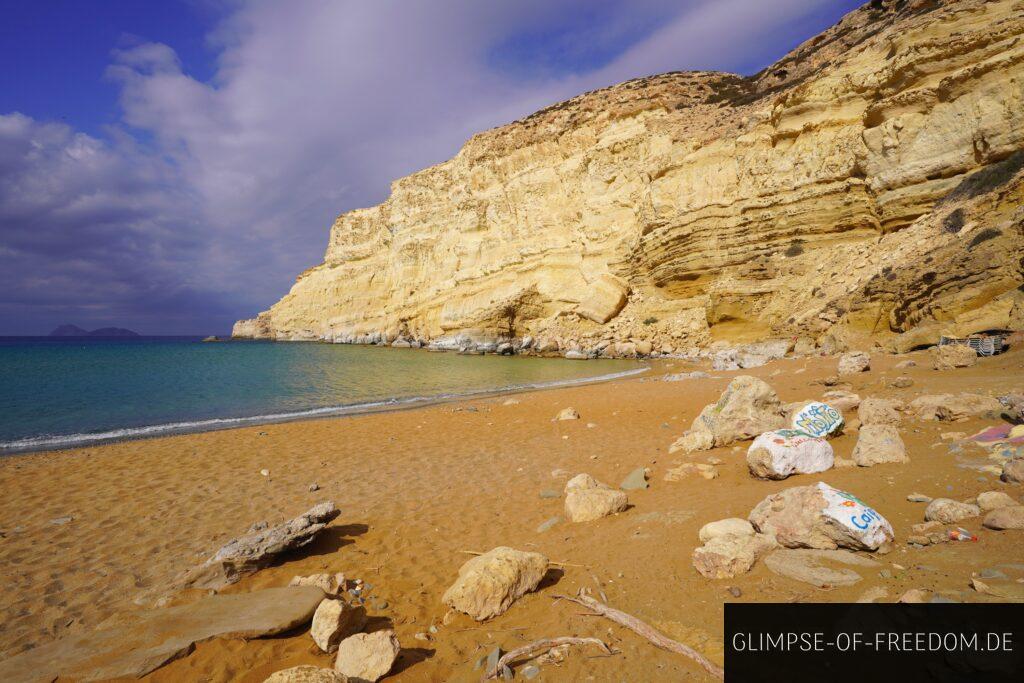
point(171, 166)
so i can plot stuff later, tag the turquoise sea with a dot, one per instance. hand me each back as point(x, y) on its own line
point(62, 392)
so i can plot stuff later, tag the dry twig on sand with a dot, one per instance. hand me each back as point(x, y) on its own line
point(634, 624)
point(544, 644)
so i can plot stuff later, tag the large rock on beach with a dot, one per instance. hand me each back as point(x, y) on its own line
point(726, 556)
point(335, 620)
point(853, 362)
point(1013, 471)
point(489, 584)
point(952, 356)
point(1009, 517)
point(779, 454)
point(820, 516)
point(879, 411)
point(258, 549)
point(367, 656)
point(587, 499)
point(950, 511)
point(993, 500)
point(955, 407)
point(748, 407)
point(877, 444)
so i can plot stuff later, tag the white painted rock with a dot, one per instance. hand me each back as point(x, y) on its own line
point(778, 454)
point(818, 419)
point(820, 516)
point(367, 656)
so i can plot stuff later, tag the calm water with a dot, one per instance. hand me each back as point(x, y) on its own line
point(58, 392)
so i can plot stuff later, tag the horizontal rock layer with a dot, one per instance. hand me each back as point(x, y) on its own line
point(866, 184)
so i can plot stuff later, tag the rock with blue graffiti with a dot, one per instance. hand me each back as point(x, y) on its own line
point(821, 516)
point(783, 452)
point(818, 419)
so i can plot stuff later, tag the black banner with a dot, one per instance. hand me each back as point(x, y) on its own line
point(874, 642)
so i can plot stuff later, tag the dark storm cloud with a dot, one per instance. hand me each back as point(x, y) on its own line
point(314, 109)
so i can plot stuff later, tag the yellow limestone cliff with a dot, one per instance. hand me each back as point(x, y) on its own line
point(868, 184)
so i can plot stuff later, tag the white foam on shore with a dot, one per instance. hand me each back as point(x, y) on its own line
point(58, 441)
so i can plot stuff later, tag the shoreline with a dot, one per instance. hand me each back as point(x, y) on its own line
point(87, 439)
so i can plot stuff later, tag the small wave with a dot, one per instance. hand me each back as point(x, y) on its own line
point(50, 442)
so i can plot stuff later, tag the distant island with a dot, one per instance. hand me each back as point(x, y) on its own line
point(76, 331)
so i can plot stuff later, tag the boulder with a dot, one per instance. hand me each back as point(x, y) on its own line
point(489, 584)
point(818, 419)
point(955, 407)
point(144, 641)
point(778, 454)
point(853, 362)
point(809, 566)
point(367, 656)
point(878, 411)
point(1009, 517)
point(748, 407)
point(724, 557)
point(587, 499)
point(1013, 471)
point(953, 356)
point(258, 549)
point(993, 500)
point(331, 584)
point(733, 526)
point(335, 620)
point(567, 414)
point(606, 299)
point(306, 674)
point(820, 516)
point(877, 444)
point(949, 511)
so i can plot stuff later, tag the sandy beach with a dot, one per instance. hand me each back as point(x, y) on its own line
point(87, 532)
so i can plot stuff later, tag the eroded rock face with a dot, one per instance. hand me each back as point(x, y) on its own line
point(587, 499)
point(952, 356)
point(820, 516)
point(367, 656)
point(489, 584)
point(748, 407)
point(810, 200)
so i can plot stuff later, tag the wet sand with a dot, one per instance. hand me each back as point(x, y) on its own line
point(417, 487)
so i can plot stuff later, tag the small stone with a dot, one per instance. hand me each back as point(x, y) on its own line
point(550, 494)
point(306, 674)
point(314, 487)
point(878, 444)
point(734, 591)
point(331, 584)
point(265, 473)
point(61, 521)
point(367, 656)
point(547, 524)
point(422, 636)
point(915, 596)
point(919, 498)
point(333, 621)
point(587, 499)
point(530, 671)
point(854, 362)
point(902, 382)
point(567, 414)
point(1013, 471)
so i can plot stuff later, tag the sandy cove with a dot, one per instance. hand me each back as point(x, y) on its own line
point(417, 487)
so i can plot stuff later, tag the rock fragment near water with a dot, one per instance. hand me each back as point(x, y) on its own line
point(489, 584)
point(853, 362)
point(821, 517)
point(748, 407)
point(587, 499)
point(258, 549)
point(367, 656)
point(781, 453)
point(950, 511)
point(878, 444)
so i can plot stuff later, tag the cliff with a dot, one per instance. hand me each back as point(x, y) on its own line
point(867, 185)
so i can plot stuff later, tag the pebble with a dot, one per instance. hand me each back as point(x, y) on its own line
point(734, 591)
point(314, 487)
point(422, 636)
point(550, 493)
point(530, 671)
point(60, 521)
point(919, 498)
point(547, 524)
point(265, 473)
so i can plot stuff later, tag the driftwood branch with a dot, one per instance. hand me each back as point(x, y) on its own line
point(544, 644)
point(634, 624)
